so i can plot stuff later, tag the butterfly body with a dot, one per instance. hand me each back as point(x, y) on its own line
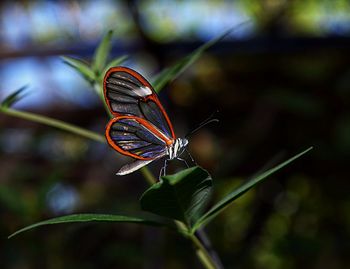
point(176, 148)
point(140, 127)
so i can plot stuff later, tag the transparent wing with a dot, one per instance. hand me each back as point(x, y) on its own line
point(136, 138)
point(128, 93)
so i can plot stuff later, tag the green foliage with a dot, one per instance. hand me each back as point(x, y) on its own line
point(94, 73)
point(184, 195)
point(114, 62)
point(228, 199)
point(82, 68)
point(101, 53)
point(91, 217)
point(13, 97)
point(171, 73)
point(181, 196)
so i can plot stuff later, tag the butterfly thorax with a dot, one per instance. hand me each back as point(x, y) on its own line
point(176, 148)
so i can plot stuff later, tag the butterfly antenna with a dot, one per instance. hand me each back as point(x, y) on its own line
point(210, 119)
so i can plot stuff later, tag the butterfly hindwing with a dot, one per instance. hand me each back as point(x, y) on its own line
point(136, 138)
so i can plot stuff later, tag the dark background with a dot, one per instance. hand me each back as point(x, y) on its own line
point(281, 83)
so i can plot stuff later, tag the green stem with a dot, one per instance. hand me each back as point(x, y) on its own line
point(149, 177)
point(202, 253)
point(99, 91)
point(54, 123)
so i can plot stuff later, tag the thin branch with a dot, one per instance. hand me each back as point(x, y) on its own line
point(53, 123)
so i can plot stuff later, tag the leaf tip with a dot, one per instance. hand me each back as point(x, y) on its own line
point(110, 33)
point(11, 235)
point(307, 150)
point(14, 97)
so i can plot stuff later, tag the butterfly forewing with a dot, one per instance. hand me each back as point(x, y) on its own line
point(128, 93)
point(140, 128)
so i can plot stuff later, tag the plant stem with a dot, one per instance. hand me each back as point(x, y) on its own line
point(202, 253)
point(149, 177)
point(99, 91)
point(54, 123)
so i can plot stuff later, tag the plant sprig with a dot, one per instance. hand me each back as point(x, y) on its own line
point(181, 197)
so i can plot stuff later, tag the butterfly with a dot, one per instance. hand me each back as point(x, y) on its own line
point(140, 127)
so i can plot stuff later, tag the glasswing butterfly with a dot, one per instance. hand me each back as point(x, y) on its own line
point(140, 127)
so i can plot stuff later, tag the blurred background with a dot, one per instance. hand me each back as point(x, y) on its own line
point(281, 83)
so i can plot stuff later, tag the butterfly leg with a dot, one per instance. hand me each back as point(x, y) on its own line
point(163, 170)
point(183, 160)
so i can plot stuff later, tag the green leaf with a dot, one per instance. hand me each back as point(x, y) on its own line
point(171, 73)
point(181, 196)
point(13, 97)
point(81, 67)
point(226, 201)
point(90, 218)
point(115, 62)
point(101, 53)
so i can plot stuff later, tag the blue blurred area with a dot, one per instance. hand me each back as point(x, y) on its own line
point(40, 28)
point(53, 23)
point(49, 82)
point(185, 19)
point(62, 199)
